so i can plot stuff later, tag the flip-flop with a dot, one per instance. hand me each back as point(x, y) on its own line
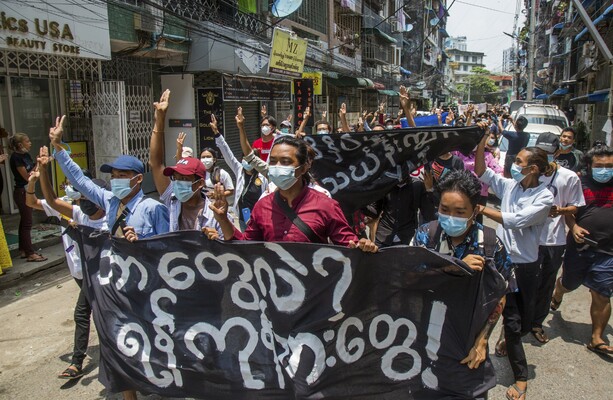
point(540, 335)
point(37, 258)
point(599, 349)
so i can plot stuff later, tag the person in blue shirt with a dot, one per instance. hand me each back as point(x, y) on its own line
point(130, 214)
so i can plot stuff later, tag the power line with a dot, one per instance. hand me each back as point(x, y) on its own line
point(485, 8)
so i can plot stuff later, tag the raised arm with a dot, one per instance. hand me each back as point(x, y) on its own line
point(31, 200)
point(240, 123)
point(305, 118)
point(342, 113)
point(156, 148)
point(405, 104)
point(469, 114)
point(180, 140)
point(53, 201)
point(71, 169)
point(224, 149)
point(480, 155)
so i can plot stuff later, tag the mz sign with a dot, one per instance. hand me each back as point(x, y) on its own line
point(287, 54)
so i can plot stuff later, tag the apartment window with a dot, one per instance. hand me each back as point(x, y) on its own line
point(464, 67)
point(458, 58)
point(312, 14)
point(474, 59)
point(466, 58)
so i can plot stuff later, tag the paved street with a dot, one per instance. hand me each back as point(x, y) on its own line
point(37, 329)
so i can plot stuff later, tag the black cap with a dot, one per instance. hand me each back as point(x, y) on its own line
point(548, 141)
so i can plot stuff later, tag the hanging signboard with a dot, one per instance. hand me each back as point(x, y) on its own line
point(210, 101)
point(287, 54)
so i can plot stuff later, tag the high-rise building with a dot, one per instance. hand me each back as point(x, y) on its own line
point(457, 43)
point(509, 60)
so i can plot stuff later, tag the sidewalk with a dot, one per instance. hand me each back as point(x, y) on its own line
point(22, 269)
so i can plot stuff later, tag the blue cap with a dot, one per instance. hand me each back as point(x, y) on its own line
point(124, 163)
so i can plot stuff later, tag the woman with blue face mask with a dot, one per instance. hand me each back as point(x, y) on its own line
point(456, 233)
point(525, 206)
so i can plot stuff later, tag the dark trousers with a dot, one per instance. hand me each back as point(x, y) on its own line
point(551, 260)
point(25, 221)
point(518, 316)
point(82, 313)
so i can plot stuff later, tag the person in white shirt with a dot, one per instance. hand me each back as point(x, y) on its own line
point(84, 212)
point(525, 205)
point(565, 186)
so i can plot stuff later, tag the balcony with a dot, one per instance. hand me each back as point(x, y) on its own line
point(376, 53)
point(373, 20)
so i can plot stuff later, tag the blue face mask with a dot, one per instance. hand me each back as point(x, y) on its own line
point(602, 175)
point(247, 166)
point(285, 130)
point(283, 176)
point(121, 187)
point(323, 132)
point(182, 190)
point(565, 147)
point(71, 193)
point(516, 173)
point(453, 226)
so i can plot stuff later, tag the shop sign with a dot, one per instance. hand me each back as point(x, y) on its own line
point(210, 101)
point(78, 153)
point(287, 54)
point(303, 98)
point(237, 87)
point(317, 79)
point(56, 27)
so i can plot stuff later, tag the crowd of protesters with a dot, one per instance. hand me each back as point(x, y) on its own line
point(543, 192)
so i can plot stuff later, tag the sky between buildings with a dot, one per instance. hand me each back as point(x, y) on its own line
point(483, 23)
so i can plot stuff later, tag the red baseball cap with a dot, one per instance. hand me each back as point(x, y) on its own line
point(187, 166)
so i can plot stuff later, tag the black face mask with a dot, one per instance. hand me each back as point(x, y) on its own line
point(88, 207)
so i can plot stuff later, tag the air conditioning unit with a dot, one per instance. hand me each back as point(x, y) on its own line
point(371, 71)
point(588, 50)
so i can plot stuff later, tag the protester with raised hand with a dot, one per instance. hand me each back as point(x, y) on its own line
point(274, 218)
point(525, 205)
point(180, 186)
point(250, 185)
point(589, 251)
point(130, 214)
point(456, 233)
point(81, 212)
point(342, 113)
point(405, 103)
point(300, 133)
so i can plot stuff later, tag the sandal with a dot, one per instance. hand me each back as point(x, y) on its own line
point(521, 393)
point(35, 257)
point(555, 304)
point(501, 348)
point(540, 335)
point(73, 371)
point(600, 348)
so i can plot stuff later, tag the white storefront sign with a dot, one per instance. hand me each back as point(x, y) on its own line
point(55, 27)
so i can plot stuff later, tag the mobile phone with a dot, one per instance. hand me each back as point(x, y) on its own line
point(591, 242)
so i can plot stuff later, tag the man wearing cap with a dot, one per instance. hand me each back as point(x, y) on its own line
point(130, 214)
point(180, 186)
point(565, 186)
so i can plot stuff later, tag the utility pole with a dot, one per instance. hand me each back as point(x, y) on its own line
point(531, 50)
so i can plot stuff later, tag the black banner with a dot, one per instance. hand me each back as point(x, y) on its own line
point(303, 98)
point(182, 316)
point(250, 88)
point(360, 168)
point(210, 101)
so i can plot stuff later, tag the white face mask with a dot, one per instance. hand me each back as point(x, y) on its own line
point(208, 162)
point(266, 130)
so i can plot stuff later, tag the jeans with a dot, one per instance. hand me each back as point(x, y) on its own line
point(551, 260)
point(518, 316)
point(82, 313)
point(25, 222)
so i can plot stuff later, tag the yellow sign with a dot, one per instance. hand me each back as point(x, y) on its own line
point(317, 82)
point(287, 54)
point(78, 153)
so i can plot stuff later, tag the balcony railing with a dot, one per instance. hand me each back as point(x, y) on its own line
point(376, 53)
point(372, 19)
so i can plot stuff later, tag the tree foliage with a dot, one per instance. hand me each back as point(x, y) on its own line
point(480, 84)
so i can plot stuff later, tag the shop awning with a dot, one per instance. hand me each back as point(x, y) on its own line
point(560, 92)
point(350, 81)
point(379, 33)
point(443, 32)
point(608, 13)
point(558, 26)
point(388, 92)
point(542, 96)
point(597, 96)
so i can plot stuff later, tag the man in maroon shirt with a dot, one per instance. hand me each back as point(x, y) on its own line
point(289, 166)
point(268, 126)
